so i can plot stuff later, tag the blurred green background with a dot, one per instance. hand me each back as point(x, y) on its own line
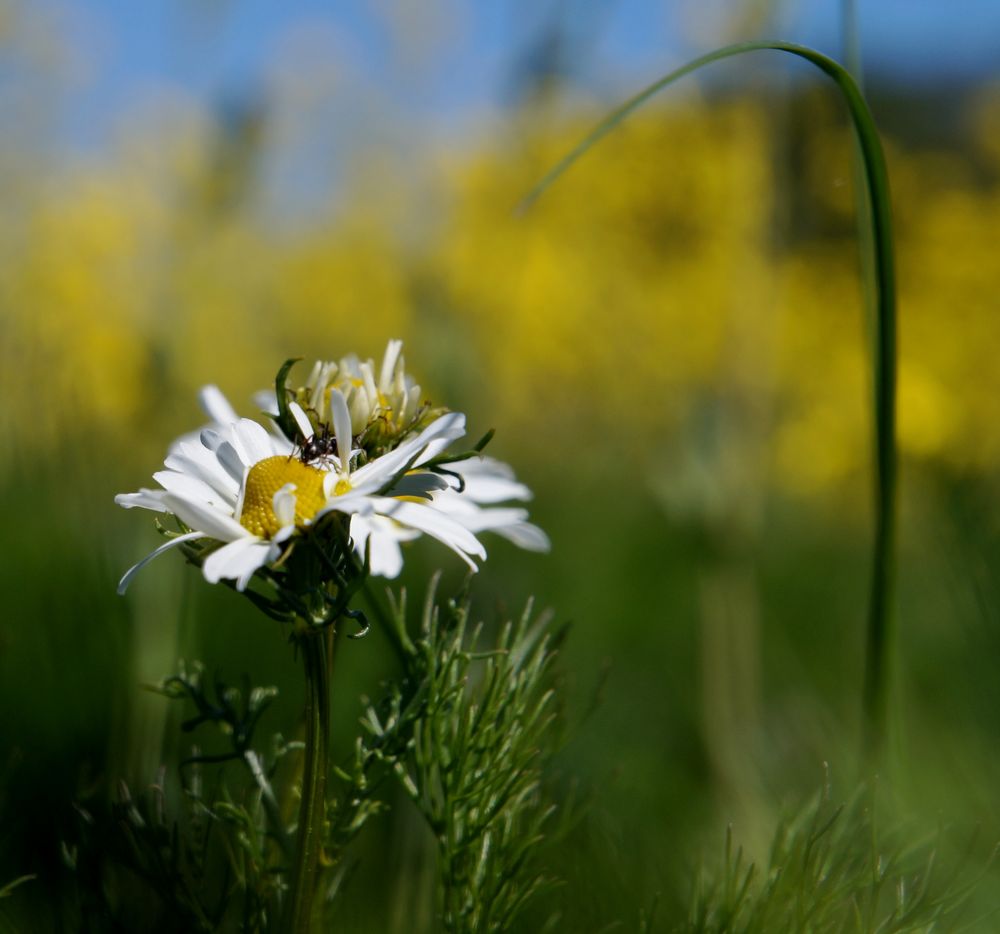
point(671, 347)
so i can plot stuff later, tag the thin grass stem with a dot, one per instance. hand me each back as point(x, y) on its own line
point(881, 624)
point(317, 654)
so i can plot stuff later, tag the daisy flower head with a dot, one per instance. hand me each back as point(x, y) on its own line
point(327, 487)
point(384, 402)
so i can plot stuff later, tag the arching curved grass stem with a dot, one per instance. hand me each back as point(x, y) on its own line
point(881, 623)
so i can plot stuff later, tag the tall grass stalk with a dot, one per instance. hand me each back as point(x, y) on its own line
point(881, 624)
point(851, 36)
point(317, 653)
point(879, 655)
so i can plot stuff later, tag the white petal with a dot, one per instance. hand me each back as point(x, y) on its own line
point(302, 420)
point(173, 543)
point(322, 375)
point(451, 431)
point(196, 461)
point(211, 438)
point(368, 375)
point(190, 487)
point(237, 561)
point(146, 499)
point(254, 440)
point(208, 519)
point(216, 406)
point(359, 407)
point(232, 461)
point(351, 366)
point(435, 524)
point(381, 537)
point(284, 502)
point(202, 450)
point(314, 378)
point(484, 465)
point(421, 483)
point(361, 530)
point(238, 509)
point(411, 399)
point(525, 535)
point(512, 524)
point(385, 556)
point(389, 366)
point(266, 401)
point(246, 437)
point(351, 503)
point(341, 427)
point(488, 480)
point(381, 471)
point(432, 450)
point(279, 443)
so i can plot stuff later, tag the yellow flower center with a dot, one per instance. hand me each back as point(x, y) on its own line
point(268, 476)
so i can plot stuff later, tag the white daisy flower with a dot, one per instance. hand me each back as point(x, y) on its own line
point(252, 490)
point(247, 489)
point(384, 405)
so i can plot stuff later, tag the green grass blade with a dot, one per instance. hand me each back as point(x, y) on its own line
point(881, 626)
point(852, 40)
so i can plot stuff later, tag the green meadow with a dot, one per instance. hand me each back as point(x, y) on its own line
point(759, 424)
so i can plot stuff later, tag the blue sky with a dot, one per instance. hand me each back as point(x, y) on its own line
point(459, 54)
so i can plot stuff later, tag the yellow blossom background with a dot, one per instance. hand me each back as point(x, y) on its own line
point(673, 347)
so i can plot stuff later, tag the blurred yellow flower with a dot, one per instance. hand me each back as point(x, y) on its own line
point(679, 257)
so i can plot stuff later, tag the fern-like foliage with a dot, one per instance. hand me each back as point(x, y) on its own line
point(478, 727)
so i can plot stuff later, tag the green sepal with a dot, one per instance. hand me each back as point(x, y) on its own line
point(285, 421)
point(484, 440)
point(436, 463)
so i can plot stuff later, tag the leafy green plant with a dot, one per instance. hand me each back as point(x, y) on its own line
point(466, 731)
point(481, 726)
point(830, 869)
point(212, 858)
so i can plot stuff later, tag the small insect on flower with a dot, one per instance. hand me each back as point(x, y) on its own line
point(320, 447)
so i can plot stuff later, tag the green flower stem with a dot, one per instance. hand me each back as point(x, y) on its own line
point(881, 628)
point(317, 654)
